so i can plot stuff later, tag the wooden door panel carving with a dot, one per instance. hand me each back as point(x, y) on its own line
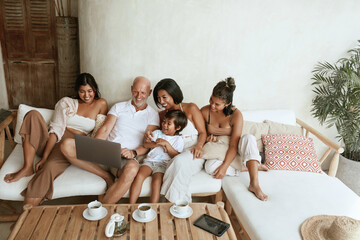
point(29, 51)
point(14, 26)
point(40, 26)
point(20, 82)
point(42, 84)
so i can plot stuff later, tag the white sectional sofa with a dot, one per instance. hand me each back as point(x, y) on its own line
point(293, 195)
point(75, 181)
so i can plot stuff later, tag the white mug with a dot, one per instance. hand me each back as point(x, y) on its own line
point(94, 208)
point(181, 207)
point(144, 210)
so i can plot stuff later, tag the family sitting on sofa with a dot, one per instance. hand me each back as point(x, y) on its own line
point(134, 124)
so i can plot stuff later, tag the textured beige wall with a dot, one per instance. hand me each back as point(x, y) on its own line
point(269, 47)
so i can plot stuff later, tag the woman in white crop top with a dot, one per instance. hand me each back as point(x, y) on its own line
point(167, 94)
point(71, 116)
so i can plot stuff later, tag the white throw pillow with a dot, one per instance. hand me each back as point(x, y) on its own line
point(23, 109)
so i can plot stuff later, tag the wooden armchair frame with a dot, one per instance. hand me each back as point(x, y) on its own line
point(330, 144)
point(4, 129)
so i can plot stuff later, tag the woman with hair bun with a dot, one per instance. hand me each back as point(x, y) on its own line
point(223, 119)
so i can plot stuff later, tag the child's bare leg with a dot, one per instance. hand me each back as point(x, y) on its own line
point(254, 186)
point(156, 186)
point(27, 170)
point(136, 186)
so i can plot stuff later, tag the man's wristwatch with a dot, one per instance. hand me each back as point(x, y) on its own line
point(135, 153)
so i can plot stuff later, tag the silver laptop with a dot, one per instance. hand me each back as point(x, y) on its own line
point(98, 151)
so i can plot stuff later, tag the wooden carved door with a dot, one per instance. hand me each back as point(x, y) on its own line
point(29, 51)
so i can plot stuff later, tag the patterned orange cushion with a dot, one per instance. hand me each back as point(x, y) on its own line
point(290, 152)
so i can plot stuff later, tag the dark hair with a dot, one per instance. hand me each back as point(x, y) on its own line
point(171, 87)
point(82, 80)
point(180, 119)
point(224, 90)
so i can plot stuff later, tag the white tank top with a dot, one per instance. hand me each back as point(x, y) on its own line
point(189, 130)
point(189, 133)
point(80, 123)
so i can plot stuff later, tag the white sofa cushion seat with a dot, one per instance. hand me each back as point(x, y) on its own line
point(293, 197)
point(200, 183)
point(73, 182)
point(78, 182)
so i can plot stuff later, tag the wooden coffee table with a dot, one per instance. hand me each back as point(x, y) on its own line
point(67, 222)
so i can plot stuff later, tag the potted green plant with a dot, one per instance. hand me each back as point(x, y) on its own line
point(337, 103)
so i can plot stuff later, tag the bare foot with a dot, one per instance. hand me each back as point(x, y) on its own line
point(258, 193)
point(261, 167)
point(13, 177)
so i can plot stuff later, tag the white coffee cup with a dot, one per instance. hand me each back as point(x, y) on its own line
point(144, 210)
point(94, 208)
point(181, 207)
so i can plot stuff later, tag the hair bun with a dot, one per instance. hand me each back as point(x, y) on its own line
point(230, 82)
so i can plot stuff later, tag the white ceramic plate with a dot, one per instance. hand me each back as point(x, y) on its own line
point(185, 215)
point(137, 218)
point(87, 216)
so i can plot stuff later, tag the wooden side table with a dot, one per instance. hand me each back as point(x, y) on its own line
point(67, 222)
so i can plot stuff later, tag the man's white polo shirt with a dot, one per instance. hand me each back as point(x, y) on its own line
point(130, 125)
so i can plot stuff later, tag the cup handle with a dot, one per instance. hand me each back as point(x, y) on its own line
point(110, 227)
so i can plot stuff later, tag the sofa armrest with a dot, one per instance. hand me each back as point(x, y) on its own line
point(330, 144)
point(4, 128)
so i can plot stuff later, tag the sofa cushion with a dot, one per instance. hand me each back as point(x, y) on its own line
point(290, 152)
point(100, 120)
point(280, 128)
point(200, 183)
point(22, 110)
point(73, 182)
point(77, 182)
point(256, 129)
point(293, 197)
point(217, 150)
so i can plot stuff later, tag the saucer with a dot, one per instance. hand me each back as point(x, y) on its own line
point(185, 215)
point(87, 216)
point(137, 218)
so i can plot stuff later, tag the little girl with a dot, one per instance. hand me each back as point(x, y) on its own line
point(166, 144)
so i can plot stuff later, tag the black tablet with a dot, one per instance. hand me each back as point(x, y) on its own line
point(212, 225)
